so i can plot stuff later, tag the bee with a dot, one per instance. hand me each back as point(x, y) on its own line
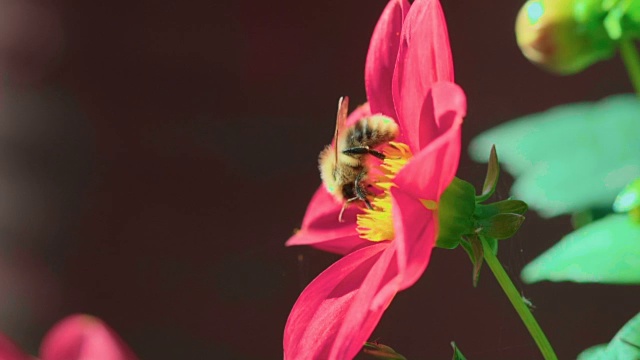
point(343, 165)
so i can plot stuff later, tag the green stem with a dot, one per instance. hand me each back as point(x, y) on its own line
point(516, 300)
point(631, 59)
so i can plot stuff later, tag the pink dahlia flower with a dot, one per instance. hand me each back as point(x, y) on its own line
point(408, 77)
point(77, 337)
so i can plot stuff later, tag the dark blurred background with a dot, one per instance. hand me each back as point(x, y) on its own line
point(155, 156)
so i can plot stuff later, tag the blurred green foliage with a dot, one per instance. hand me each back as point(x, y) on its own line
point(624, 345)
point(605, 251)
point(570, 158)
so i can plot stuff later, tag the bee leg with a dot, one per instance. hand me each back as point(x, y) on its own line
point(344, 206)
point(377, 154)
point(368, 203)
point(361, 150)
point(361, 192)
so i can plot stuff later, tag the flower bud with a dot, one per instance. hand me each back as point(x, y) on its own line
point(629, 197)
point(629, 200)
point(563, 36)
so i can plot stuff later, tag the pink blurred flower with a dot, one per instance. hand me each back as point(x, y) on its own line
point(77, 337)
point(408, 77)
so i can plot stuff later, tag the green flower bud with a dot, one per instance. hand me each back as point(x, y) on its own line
point(629, 201)
point(564, 36)
point(629, 197)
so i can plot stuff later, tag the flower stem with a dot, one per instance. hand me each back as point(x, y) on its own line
point(517, 302)
point(631, 59)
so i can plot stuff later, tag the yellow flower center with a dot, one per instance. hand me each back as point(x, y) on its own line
point(377, 224)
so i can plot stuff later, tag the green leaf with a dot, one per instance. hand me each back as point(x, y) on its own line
point(597, 352)
point(457, 354)
point(501, 226)
point(491, 179)
point(624, 345)
point(381, 351)
point(605, 251)
point(570, 158)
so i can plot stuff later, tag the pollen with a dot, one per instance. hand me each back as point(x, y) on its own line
point(377, 224)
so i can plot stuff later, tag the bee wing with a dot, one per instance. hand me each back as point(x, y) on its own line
point(341, 120)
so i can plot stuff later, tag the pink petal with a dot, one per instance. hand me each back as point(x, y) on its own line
point(321, 228)
point(431, 170)
point(415, 228)
point(338, 311)
point(424, 58)
point(445, 102)
point(9, 351)
point(382, 55)
point(83, 337)
point(363, 110)
point(339, 245)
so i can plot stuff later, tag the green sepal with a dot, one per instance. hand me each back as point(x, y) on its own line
point(381, 351)
point(501, 226)
point(622, 19)
point(624, 345)
point(500, 207)
point(461, 213)
point(455, 213)
point(472, 246)
point(467, 248)
point(629, 197)
point(478, 258)
point(586, 11)
point(457, 354)
point(466, 219)
point(613, 22)
point(491, 179)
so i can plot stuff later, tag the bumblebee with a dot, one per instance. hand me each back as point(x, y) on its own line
point(343, 165)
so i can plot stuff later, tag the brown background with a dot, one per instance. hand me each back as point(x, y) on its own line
point(157, 154)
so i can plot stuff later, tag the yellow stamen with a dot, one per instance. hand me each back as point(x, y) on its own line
point(377, 224)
